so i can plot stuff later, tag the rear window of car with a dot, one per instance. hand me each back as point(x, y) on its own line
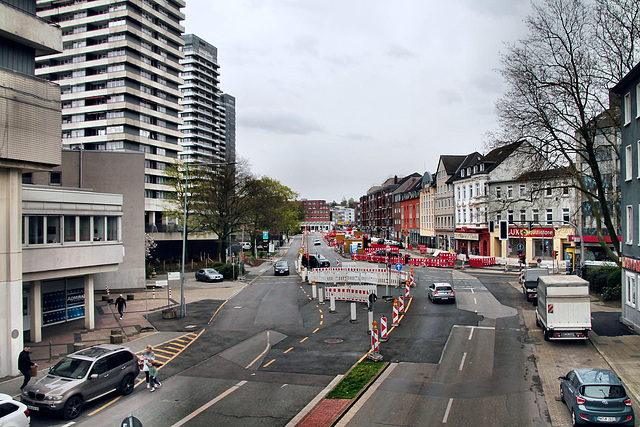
point(601, 391)
point(7, 408)
point(443, 288)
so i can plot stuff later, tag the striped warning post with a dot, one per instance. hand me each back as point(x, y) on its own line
point(383, 329)
point(396, 317)
point(154, 292)
point(375, 347)
point(401, 304)
point(406, 291)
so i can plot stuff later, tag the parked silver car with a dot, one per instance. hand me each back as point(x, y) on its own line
point(209, 275)
point(442, 292)
point(81, 377)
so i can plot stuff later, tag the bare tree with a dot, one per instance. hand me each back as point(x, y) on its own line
point(558, 99)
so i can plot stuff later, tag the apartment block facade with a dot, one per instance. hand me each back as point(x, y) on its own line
point(119, 75)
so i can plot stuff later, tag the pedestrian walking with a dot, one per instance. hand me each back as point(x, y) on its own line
point(153, 375)
point(121, 303)
point(25, 364)
point(147, 358)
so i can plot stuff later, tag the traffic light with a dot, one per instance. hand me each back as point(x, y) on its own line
point(555, 254)
point(504, 230)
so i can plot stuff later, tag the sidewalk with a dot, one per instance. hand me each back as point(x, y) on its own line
point(137, 332)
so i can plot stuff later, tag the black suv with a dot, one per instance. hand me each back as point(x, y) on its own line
point(315, 261)
point(81, 377)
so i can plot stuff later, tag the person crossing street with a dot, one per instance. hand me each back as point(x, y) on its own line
point(121, 303)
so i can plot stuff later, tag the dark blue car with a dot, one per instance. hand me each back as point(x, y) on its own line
point(596, 396)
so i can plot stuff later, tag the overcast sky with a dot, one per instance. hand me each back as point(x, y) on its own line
point(334, 96)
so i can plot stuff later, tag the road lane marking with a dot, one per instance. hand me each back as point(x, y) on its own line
point(471, 333)
point(315, 330)
point(208, 405)
point(105, 405)
point(263, 353)
point(446, 413)
point(464, 356)
point(475, 301)
point(272, 360)
point(288, 350)
point(304, 339)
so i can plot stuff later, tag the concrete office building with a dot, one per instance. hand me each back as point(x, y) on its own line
point(203, 130)
point(30, 129)
point(119, 76)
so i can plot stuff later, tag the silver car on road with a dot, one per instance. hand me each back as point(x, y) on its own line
point(441, 292)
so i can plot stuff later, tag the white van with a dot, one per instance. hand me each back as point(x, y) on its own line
point(245, 245)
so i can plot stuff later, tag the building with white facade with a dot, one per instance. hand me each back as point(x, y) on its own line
point(119, 75)
point(427, 216)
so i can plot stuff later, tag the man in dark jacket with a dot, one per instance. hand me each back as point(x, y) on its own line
point(121, 303)
point(25, 364)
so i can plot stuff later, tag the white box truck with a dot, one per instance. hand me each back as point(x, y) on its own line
point(564, 307)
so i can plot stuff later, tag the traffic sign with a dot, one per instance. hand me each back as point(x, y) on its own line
point(520, 246)
point(398, 266)
point(233, 255)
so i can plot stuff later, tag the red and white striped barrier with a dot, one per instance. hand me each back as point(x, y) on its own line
point(359, 293)
point(107, 290)
point(406, 291)
point(396, 317)
point(401, 304)
point(383, 329)
point(375, 346)
point(169, 292)
point(154, 292)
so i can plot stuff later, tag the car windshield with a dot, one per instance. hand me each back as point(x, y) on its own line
point(212, 271)
point(602, 391)
point(281, 264)
point(71, 368)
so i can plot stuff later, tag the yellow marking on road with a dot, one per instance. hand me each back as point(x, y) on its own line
point(105, 405)
point(315, 330)
point(321, 322)
point(304, 339)
point(173, 348)
point(288, 350)
point(320, 310)
point(310, 299)
point(272, 360)
point(177, 344)
point(216, 312)
point(322, 316)
point(160, 350)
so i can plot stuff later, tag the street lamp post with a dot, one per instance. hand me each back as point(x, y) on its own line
point(183, 308)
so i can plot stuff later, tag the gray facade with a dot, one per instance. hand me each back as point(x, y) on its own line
point(628, 89)
point(94, 170)
point(229, 105)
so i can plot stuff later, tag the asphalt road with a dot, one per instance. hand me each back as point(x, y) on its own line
point(486, 374)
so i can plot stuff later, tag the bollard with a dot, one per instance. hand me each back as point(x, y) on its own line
point(332, 304)
point(396, 321)
point(401, 304)
point(154, 292)
point(383, 329)
point(321, 295)
point(406, 291)
point(107, 290)
point(353, 313)
point(314, 290)
point(169, 292)
point(374, 337)
point(370, 321)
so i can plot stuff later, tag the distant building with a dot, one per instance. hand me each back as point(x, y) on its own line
point(444, 201)
point(229, 106)
point(343, 216)
point(204, 130)
point(426, 211)
point(317, 215)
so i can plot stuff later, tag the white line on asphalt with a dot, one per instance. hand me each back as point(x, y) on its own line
point(472, 291)
point(209, 404)
point(475, 301)
point(464, 356)
point(471, 333)
point(446, 413)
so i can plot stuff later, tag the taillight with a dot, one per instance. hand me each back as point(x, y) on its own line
point(26, 413)
point(627, 402)
point(435, 292)
point(452, 292)
point(580, 400)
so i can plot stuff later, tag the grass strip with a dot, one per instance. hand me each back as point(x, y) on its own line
point(355, 380)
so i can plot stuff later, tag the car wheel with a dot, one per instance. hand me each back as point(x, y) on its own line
point(546, 333)
point(126, 386)
point(538, 322)
point(72, 408)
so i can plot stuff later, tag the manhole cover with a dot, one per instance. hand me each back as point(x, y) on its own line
point(191, 326)
point(333, 341)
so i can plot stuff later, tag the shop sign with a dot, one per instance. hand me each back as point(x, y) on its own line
point(466, 236)
point(534, 232)
point(631, 264)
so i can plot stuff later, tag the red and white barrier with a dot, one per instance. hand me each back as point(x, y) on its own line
point(396, 317)
point(401, 304)
point(375, 346)
point(154, 292)
point(169, 292)
point(383, 329)
point(406, 291)
point(107, 290)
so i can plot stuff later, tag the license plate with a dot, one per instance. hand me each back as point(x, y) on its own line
point(606, 419)
point(444, 298)
point(33, 408)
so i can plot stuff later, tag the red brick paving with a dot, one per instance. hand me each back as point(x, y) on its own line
point(326, 412)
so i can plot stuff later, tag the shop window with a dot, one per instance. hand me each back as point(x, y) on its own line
point(55, 178)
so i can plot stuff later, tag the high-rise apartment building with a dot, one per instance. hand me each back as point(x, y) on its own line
point(119, 75)
point(229, 104)
point(203, 130)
